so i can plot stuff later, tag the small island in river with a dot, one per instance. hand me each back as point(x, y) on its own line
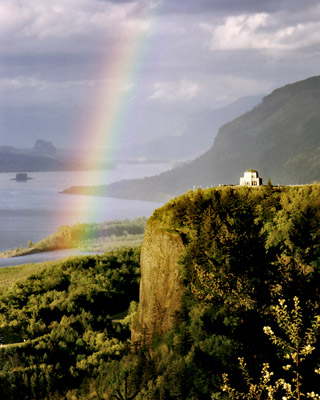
point(21, 177)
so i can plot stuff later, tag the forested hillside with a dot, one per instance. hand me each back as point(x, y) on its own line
point(65, 325)
point(246, 250)
point(198, 134)
point(280, 138)
point(248, 276)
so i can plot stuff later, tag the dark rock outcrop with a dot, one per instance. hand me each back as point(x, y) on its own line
point(44, 148)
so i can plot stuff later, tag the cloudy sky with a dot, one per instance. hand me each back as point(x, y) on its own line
point(70, 68)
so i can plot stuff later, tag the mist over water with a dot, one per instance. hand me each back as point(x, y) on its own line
point(34, 209)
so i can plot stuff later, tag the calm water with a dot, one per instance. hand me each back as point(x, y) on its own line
point(41, 257)
point(34, 209)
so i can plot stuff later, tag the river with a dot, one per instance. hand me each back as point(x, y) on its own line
point(34, 209)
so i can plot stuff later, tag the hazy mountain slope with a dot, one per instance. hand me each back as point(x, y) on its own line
point(280, 138)
point(199, 133)
point(17, 162)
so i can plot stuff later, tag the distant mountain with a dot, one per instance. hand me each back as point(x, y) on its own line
point(17, 160)
point(44, 157)
point(280, 138)
point(198, 135)
point(43, 148)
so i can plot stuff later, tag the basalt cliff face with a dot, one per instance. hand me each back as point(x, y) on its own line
point(160, 286)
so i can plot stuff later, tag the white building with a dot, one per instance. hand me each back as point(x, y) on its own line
point(251, 178)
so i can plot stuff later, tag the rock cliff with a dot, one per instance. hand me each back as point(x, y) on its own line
point(43, 148)
point(160, 287)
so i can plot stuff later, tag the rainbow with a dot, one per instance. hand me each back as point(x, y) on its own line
point(109, 115)
point(111, 111)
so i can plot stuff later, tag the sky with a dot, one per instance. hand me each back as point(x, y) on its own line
point(91, 73)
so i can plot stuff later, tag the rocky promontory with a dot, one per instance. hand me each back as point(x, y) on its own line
point(160, 285)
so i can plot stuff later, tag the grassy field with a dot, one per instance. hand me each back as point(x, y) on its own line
point(10, 275)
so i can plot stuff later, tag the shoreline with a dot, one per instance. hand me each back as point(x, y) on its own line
point(26, 252)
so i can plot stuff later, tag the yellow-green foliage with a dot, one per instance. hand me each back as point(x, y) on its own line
point(295, 346)
point(57, 324)
point(244, 249)
point(10, 275)
point(94, 237)
point(105, 236)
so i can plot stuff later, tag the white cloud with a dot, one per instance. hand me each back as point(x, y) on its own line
point(7, 84)
point(37, 92)
point(262, 31)
point(24, 82)
point(36, 23)
point(175, 91)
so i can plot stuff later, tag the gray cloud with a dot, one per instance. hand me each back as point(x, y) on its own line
point(227, 7)
point(168, 59)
